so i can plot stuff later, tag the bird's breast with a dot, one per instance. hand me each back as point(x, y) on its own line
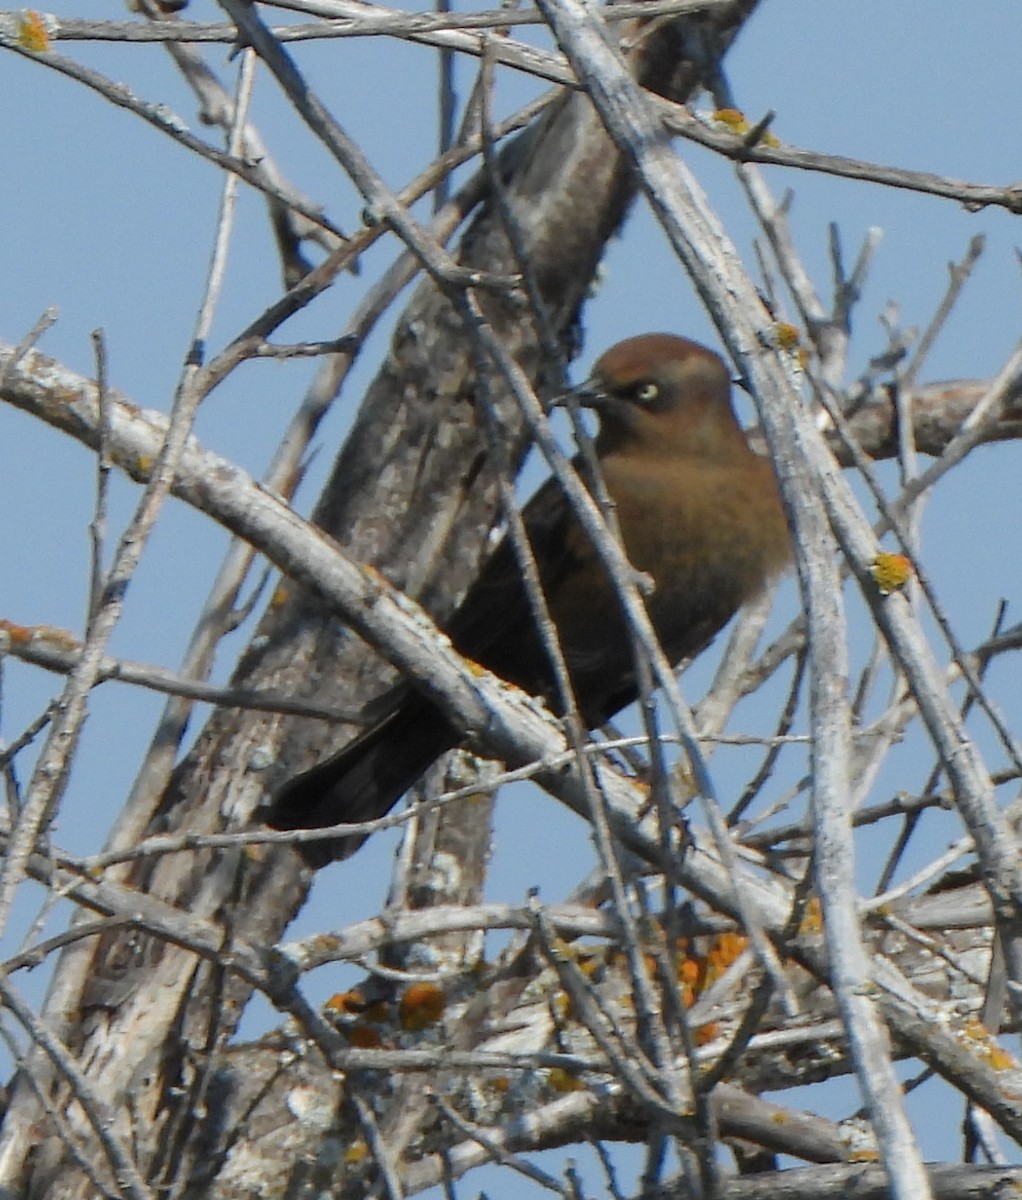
point(709, 535)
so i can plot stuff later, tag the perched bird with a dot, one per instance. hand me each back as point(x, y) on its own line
point(698, 512)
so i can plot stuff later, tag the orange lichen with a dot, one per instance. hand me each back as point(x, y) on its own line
point(422, 1005)
point(787, 338)
point(863, 1154)
point(727, 948)
point(349, 1003)
point(20, 635)
point(23, 635)
point(992, 1051)
point(689, 976)
point(697, 971)
point(735, 121)
point(891, 572)
point(32, 32)
point(1000, 1059)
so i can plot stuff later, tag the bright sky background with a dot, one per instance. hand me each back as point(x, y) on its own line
point(111, 223)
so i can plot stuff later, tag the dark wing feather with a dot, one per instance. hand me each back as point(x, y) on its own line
point(495, 625)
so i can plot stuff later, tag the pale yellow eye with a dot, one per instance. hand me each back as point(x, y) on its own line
point(646, 393)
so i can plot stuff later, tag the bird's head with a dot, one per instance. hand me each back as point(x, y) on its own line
point(664, 393)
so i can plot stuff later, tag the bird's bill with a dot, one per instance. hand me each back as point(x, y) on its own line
point(590, 394)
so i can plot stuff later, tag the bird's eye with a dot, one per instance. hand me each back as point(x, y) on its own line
point(646, 393)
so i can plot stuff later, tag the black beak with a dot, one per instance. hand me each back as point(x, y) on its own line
point(590, 394)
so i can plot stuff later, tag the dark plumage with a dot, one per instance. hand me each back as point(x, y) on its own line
point(698, 511)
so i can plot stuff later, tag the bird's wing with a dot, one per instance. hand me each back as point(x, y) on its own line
point(497, 603)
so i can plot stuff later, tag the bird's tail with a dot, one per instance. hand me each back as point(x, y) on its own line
point(364, 780)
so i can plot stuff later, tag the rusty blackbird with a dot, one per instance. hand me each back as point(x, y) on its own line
point(698, 511)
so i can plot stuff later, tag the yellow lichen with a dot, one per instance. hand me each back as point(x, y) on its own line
point(891, 572)
point(32, 32)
